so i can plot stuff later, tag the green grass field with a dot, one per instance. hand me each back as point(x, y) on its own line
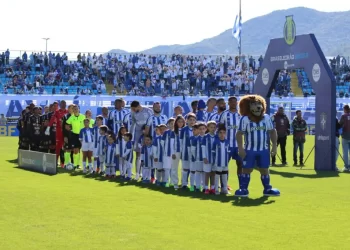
point(72, 211)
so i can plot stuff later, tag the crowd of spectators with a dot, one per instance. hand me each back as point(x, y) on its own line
point(132, 74)
point(140, 74)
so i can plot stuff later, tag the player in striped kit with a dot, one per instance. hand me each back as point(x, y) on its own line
point(147, 159)
point(110, 152)
point(207, 145)
point(176, 149)
point(221, 155)
point(256, 147)
point(128, 155)
point(140, 143)
point(127, 121)
point(211, 104)
point(197, 154)
point(96, 133)
point(167, 152)
point(153, 121)
point(101, 145)
point(185, 136)
point(116, 117)
point(221, 108)
point(158, 155)
point(230, 120)
point(86, 138)
point(192, 151)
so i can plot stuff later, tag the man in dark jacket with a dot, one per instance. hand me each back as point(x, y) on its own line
point(299, 129)
point(282, 125)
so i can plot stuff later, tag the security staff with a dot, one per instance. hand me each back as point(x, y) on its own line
point(282, 125)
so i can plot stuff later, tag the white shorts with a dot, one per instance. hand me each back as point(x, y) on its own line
point(221, 169)
point(102, 158)
point(185, 165)
point(208, 168)
point(167, 161)
point(192, 166)
point(94, 152)
point(158, 165)
point(87, 146)
point(198, 166)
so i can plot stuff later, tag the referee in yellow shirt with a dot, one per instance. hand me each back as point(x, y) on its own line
point(77, 122)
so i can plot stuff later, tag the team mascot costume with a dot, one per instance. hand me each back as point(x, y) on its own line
point(256, 127)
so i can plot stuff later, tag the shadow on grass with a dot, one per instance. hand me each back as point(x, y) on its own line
point(34, 171)
point(317, 174)
point(241, 202)
point(12, 161)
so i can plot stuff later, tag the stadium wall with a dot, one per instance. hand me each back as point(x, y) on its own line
point(12, 105)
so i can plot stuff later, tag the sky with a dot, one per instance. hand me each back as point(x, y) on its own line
point(135, 25)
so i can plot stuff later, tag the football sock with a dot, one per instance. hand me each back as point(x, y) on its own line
point(265, 180)
point(166, 174)
point(245, 179)
point(84, 165)
point(95, 165)
point(198, 178)
point(76, 159)
point(138, 165)
point(159, 176)
point(184, 177)
point(152, 173)
point(224, 182)
point(192, 178)
point(90, 167)
point(239, 180)
point(217, 180)
point(67, 158)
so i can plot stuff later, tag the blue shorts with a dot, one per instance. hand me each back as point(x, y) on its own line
point(234, 154)
point(260, 159)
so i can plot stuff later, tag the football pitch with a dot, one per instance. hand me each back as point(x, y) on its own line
point(74, 211)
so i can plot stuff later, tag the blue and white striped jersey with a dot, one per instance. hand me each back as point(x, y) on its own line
point(207, 147)
point(154, 121)
point(116, 118)
point(157, 149)
point(110, 154)
point(120, 144)
point(86, 135)
point(231, 122)
point(208, 115)
point(185, 136)
point(128, 154)
point(146, 156)
point(101, 145)
point(96, 134)
point(255, 134)
point(166, 143)
point(221, 152)
point(215, 117)
point(127, 122)
point(176, 142)
point(196, 148)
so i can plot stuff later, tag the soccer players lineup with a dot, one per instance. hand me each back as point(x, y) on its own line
point(188, 151)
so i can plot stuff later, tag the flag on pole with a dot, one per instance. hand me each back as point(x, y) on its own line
point(237, 28)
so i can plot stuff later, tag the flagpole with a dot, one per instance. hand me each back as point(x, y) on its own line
point(240, 40)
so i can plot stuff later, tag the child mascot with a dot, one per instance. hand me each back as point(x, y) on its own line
point(257, 128)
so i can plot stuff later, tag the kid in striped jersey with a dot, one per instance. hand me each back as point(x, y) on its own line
point(120, 149)
point(208, 166)
point(221, 155)
point(197, 153)
point(185, 136)
point(87, 144)
point(176, 150)
point(158, 154)
point(147, 159)
point(110, 151)
point(96, 133)
point(101, 145)
point(167, 151)
point(192, 154)
point(128, 155)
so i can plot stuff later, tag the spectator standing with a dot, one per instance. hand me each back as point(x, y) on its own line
point(3, 120)
point(282, 125)
point(299, 128)
point(345, 125)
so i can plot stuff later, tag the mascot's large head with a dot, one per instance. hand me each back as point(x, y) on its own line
point(253, 106)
